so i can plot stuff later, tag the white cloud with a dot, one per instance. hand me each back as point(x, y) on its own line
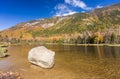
point(63, 10)
point(98, 6)
point(82, 11)
point(78, 3)
point(68, 7)
point(68, 1)
point(69, 13)
point(61, 6)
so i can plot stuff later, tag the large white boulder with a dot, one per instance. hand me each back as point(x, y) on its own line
point(42, 57)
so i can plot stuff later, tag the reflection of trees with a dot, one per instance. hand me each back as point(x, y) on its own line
point(115, 52)
point(112, 52)
point(98, 50)
point(85, 49)
point(103, 51)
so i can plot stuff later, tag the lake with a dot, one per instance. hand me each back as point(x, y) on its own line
point(71, 62)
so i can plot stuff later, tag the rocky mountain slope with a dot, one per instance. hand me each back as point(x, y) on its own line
point(94, 25)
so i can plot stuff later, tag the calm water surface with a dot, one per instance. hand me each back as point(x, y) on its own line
point(71, 62)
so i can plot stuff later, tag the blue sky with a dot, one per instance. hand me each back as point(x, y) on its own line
point(13, 12)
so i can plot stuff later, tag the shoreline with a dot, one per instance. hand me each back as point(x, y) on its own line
point(61, 44)
point(72, 44)
point(80, 44)
point(94, 44)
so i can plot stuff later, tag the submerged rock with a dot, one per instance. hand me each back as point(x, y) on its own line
point(42, 57)
point(10, 75)
point(3, 52)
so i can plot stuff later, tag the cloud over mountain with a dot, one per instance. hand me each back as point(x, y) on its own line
point(68, 7)
point(78, 3)
point(63, 10)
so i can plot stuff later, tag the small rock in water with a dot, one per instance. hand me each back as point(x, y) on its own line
point(3, 52)
point(9, 75)
point(42, 57)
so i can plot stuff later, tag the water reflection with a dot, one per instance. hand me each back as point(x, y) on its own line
point(112, 52)
point(94, 51)
point(88, 51)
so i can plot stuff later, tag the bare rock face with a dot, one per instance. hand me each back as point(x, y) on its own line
point(42, 57)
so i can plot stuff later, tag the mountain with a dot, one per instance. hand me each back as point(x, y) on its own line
point(101, 25)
